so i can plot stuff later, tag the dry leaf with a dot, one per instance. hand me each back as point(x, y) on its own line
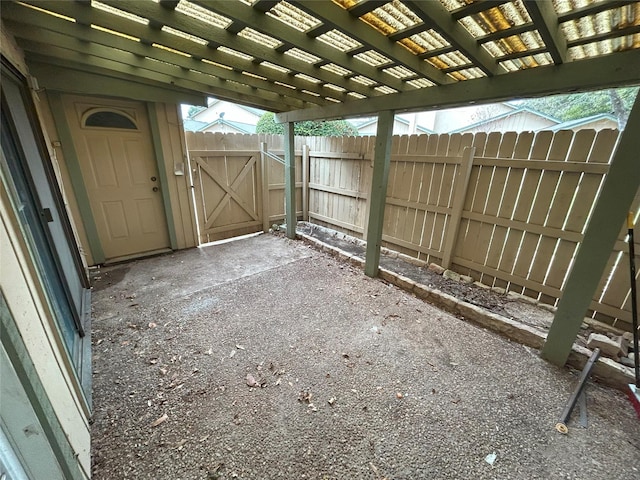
point(152, 325)
point(279, 381)
point(399, 395)
point(239, 347)
point(160, 420)
point(209, 352)
point(233, 352)
point(331, 401)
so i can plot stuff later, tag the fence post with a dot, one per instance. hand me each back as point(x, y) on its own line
point(462, 184)
point(305, 182)
point(264, 178)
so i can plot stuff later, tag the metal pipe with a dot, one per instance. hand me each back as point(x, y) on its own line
point(561, 426)
point(634, 299)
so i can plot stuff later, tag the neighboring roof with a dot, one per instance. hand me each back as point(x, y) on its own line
point(373, 121)
point(328, 59)
point(193, 125)
point(502, 116)
point(242, 127)
point(254, 111)
point(579, 122)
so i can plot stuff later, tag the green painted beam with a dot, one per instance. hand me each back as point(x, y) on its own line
point(140, 69)
point(544, 16)
point(220, 36)
point(162, 173)
point(75, 174)
point(87, 15)
point(615, 70)
point(44, 28)
point(378, 195)
point(618, 190)
point(290, 179)
point(273, 28)
point(341, 19)
point(436, 16)
point(69, 77)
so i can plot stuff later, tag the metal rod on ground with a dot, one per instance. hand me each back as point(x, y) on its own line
point(634, 300)
point(561, 426)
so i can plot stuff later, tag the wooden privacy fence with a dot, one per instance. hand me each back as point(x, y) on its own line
point(508, 209)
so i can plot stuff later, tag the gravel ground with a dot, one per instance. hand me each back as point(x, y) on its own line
point(352, 379)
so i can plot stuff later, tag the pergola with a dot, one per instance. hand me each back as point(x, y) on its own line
point(313, 60)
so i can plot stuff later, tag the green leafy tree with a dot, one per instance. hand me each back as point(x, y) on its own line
point(267, 124)
point(579, 105)
point(193, 110)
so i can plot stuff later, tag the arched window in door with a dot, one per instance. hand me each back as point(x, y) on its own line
point(102, 118)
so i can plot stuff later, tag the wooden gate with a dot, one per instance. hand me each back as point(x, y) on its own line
point(227, 190)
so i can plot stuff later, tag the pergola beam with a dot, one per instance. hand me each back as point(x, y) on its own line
point(75, 37)
point(248, 47)
point(546, 20)
point(475, 8)
point(436, 16)
point(62, 78)
point(618, 190)
point(276, 29)
point(342, 20)
point(617, 70)
point(88, 16)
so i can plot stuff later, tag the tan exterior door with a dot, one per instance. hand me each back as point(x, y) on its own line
point(120, 174)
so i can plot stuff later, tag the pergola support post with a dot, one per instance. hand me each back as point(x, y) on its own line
point(618, 190)
point(378, 195)
point(290, 179)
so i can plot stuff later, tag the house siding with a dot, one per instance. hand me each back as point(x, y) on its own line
point(34, 320)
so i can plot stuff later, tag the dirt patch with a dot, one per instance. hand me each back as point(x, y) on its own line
point(490, 300)
point(305, 368)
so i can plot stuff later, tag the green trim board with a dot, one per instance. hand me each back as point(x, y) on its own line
point(36, 393)
point(162, 173)
point(618, 190)
point(378, 195)
point(77, 182)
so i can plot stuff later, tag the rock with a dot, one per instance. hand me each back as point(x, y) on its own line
point(498, 290)
point(451, 275)
point(547, 307)
point(514, 295)
point(629, 337)
point(466, 279)
point(627, 362)
point(434, 267)
point(482, 285)
point(623, 342)
point(608, 347)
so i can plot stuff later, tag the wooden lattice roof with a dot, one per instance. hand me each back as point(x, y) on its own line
point(320, 59)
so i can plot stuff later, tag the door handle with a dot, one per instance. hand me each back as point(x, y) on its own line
point(155, 189)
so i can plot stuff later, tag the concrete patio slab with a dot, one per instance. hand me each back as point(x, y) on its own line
point(352, 378)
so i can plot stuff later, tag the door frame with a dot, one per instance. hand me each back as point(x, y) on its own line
point(77, 181)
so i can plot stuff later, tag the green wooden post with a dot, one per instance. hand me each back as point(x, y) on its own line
point(290, 179)
point(162, 173)
point(618, 190)
point(378, 195)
